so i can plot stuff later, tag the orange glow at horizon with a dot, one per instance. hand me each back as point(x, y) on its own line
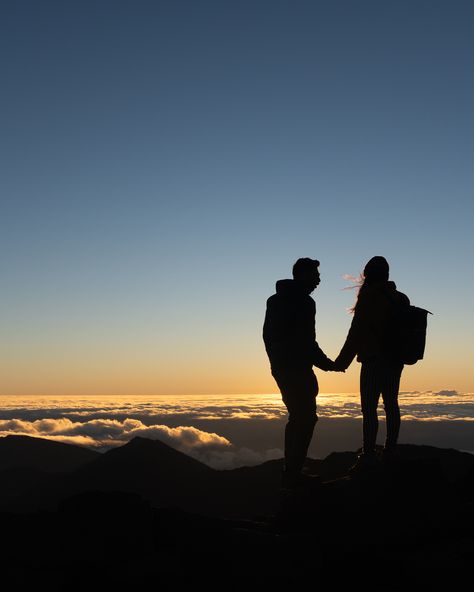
point(43, 376)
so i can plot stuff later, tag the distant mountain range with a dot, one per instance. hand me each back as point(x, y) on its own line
point(145, 509)
point(42, 454)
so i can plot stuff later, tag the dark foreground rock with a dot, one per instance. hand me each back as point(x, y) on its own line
point(408, 526)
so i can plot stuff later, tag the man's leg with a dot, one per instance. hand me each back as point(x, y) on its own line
point(299, 431)
point(299, 390)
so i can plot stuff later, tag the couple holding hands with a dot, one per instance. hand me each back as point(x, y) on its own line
point(290, 341)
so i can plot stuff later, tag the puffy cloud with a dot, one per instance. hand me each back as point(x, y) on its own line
point(185, 438)
point(18, 426)
point(103, 430)
point(75, 440)
point(208, 447)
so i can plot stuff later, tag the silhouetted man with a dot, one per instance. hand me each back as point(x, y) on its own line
point(290, 340)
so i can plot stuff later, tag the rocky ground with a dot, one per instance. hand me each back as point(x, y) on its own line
point(150, 516)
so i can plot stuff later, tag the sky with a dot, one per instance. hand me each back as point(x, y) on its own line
point(165, 162)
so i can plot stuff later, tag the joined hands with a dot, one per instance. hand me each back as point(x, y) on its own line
point(335, 366)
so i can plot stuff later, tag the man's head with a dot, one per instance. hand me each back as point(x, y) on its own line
point(306, 271)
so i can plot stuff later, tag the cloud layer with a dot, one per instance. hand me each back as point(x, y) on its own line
point(103, 434)
point(150, 410)
point(103, 423)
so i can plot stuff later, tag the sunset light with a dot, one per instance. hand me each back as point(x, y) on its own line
point(237, 321)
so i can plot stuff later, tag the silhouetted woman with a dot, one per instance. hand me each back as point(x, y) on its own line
point(370, 337)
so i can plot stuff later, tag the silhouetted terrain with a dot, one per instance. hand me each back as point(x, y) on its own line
point(145, 513)
point(42, 454)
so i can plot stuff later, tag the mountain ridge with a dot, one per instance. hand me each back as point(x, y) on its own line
point(42, 453)
point(167, 477)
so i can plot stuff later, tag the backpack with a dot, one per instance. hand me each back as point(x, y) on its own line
point(409, 332)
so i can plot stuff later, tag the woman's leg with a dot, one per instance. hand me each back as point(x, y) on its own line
point(369, 399)
point(390, 388)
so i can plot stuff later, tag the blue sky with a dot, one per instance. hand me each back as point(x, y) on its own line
point(165, 162)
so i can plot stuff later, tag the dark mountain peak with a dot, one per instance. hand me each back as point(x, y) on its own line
point(152, 454)
point(23, 439)
point(43, 454)
point(138, 442)
point(151, 469)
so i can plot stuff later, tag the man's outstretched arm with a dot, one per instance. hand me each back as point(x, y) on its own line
point(320, 360)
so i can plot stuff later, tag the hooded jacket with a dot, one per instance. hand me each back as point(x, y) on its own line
point(289, 329)
point(370, 334)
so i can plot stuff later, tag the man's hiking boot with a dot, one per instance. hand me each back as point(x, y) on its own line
point(366, 462)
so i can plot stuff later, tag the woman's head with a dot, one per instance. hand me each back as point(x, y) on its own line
point(376, 270)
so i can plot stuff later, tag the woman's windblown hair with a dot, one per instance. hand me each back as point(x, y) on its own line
point(357, 283)
point(376, 270)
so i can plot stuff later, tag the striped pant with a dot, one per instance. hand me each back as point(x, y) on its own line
point(380, 377)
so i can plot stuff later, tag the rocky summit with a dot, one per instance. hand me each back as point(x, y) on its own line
point(146, 514)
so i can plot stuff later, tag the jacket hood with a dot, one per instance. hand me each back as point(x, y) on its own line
point(389, 286)
point(290, 288)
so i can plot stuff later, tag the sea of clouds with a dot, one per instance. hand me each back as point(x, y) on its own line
point(102, 423)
